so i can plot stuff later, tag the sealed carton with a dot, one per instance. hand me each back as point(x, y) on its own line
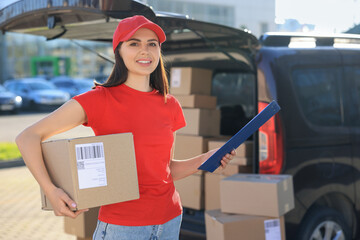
point(93, 171)
point(257, 194)
point(191, 190)
point(212, 183)
point(84, 225)
point(197, 101)
point(188, 146)
point(201, 122)
point(212, 190)
point(222, 226)
point(188, 80)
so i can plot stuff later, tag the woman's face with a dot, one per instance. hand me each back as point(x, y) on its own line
point(141, 52)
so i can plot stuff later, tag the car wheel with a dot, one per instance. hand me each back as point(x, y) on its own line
point(324, 223)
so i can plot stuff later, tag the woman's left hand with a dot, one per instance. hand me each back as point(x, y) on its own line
point(224, 161)
point(227, 158)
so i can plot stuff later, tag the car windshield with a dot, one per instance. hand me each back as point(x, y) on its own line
point(2, 89)
point(85, 84)
point(40, 85)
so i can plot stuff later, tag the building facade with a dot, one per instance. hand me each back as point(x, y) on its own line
point(257, 16)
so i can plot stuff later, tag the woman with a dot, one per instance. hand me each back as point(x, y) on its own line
point(134, 99)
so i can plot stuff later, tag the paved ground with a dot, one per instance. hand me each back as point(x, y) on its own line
point(12, 125)
point(21, 217)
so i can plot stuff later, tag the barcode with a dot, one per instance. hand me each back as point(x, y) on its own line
point(89, 151)
point(272, 223)
point(81, 165)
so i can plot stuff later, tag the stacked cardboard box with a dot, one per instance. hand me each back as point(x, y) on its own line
point(242, 163)
point(83, 226)
point(251, 206)
point(192, 88)
point(93, 171)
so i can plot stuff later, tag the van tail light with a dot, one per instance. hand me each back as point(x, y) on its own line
point(271, 144)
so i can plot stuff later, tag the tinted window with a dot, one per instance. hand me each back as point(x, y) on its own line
point(235, 99)
point(235, 89)
point(352, 75)
point(319, 95)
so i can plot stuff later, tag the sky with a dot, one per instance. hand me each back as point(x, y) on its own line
point(333, 16)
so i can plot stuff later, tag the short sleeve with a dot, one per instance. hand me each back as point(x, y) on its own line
point(93, 104)
point(178, 116)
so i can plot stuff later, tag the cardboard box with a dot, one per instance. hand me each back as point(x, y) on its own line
point(244, 151)
point(221, 226)
point(212, 183)
point(84, 225)
point(191, 190)
point(257, 194)
point(93, 171)
point(197, 101)
point(201, 122)
point(189, 146)
point(212, 190)
point(188, 80)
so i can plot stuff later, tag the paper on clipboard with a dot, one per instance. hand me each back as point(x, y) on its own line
point(213, 162)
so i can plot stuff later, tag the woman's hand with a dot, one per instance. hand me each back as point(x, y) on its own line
point(224, 161)
point(227, 158)
point(62, 204)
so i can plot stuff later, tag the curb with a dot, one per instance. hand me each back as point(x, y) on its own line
point(12, 163)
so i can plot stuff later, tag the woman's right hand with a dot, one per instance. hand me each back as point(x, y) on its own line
point(62, 204)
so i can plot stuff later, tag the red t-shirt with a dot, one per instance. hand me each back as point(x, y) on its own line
point(123, 109)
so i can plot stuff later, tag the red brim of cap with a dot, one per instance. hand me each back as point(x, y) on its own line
point(152, 26)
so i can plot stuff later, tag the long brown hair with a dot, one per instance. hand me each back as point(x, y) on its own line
point(119, 75)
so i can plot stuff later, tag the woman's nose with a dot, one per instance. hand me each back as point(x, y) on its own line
point(144, 47)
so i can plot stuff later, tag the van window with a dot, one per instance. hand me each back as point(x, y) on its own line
point(319, 95)
point(235, 99)
point(352, 76)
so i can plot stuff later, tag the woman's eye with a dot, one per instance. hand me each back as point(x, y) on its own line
point(153, 44)
point(133, 44)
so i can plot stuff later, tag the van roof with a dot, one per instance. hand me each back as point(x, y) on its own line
point(284, 39)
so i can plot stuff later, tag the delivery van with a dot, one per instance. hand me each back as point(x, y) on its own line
point(314, 78)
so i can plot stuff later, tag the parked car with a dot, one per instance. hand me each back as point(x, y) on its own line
point(9, 102)
point(73, 86)
point(37, 93)
point(316, 135)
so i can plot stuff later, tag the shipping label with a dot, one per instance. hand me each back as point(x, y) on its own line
point(176, 78)
point(272, 229)
point(90, 159)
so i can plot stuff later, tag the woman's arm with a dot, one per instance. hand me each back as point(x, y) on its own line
point(68, 116)
point(183, 168)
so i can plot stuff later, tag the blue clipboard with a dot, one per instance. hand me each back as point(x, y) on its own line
point(214, 161)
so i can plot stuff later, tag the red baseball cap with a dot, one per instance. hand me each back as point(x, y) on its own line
point(128, 26)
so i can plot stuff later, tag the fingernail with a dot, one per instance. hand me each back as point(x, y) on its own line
point(73, 204)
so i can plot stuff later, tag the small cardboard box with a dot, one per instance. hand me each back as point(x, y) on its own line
point(222, 226)
point(188, 80)
point(212, 183)
point(197, 101)
point(191, 190)
point(93, 171)
point(189, 146)
point(201, 122)
point(84, 225)
point(257, 194)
